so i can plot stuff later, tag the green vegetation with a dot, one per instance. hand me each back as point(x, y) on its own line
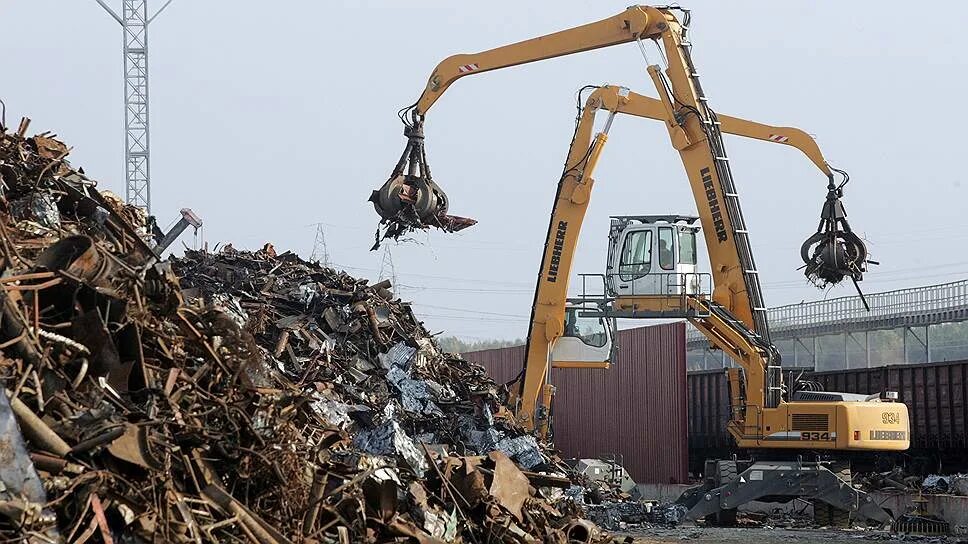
point(454, 344)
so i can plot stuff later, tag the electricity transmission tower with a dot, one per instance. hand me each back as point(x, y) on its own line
point(320, 253)
point(387, 271)
point(134, 21)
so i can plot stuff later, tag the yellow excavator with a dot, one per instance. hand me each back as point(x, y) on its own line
point(790, 431)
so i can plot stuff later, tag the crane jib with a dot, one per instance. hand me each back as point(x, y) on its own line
point(707, 183)
point(556, 251)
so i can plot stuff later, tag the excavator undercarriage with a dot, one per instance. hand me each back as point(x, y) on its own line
point(730, 484)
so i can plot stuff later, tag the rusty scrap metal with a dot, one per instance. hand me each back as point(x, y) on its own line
point(234, 396)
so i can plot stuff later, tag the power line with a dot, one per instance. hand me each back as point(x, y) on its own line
point(463, 290)
point(498, 244)
point(875, 279)
point(893, 274)
point(461, 335)
point(465, 310)
point(469, 318)
point(449, 278)
point(873, 276)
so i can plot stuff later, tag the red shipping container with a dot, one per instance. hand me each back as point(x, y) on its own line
point(636, 410)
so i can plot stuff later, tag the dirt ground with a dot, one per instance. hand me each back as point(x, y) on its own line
point(778, 536)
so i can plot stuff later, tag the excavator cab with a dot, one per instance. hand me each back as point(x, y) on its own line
point(653, 255)
point(587, 340)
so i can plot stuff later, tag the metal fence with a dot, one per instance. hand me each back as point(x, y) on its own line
point(917, 306)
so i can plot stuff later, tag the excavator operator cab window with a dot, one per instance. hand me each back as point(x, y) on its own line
point(636, 255)
point(687, 246)
point(591, 330)
point(586, 340)
point(667, 259)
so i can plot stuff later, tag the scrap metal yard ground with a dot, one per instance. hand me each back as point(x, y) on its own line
point(766, 535)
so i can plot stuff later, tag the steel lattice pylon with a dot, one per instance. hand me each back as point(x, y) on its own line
point(136, 156)
point(320, 252)
point(387, 270)
point(134, 22)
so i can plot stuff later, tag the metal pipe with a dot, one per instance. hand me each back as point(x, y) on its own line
point(188, 219)
point(36, 430)
point(108, 436)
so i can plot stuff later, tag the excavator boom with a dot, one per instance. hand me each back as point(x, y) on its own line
point(574, 188)
point(410, 198)
point(733, 318)
point(625, 27)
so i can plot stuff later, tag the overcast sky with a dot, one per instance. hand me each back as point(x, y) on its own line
point(267, 117)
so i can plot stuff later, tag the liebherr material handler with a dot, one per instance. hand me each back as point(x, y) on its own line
point(788, 431)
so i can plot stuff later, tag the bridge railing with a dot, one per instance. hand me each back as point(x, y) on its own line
point(889, 304)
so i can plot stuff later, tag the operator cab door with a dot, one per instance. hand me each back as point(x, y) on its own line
point(585, 342)
point(653, 259)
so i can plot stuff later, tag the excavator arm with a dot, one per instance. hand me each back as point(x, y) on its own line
point(571, 203)
point(734, 318)
point(651, 108)
point(551, 290)
point(410, 199)
point(618, 29)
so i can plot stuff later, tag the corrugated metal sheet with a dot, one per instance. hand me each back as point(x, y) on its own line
point(708, 410)
point(636, 410)
point(502, 364)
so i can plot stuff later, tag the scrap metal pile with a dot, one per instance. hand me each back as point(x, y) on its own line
point(234, 397)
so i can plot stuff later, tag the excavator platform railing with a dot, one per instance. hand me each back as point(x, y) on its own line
point(663, 296)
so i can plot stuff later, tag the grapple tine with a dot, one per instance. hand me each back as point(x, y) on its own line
point(834, 252)
point(411, 200)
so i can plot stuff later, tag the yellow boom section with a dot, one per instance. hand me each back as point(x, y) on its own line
point(625, 27)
